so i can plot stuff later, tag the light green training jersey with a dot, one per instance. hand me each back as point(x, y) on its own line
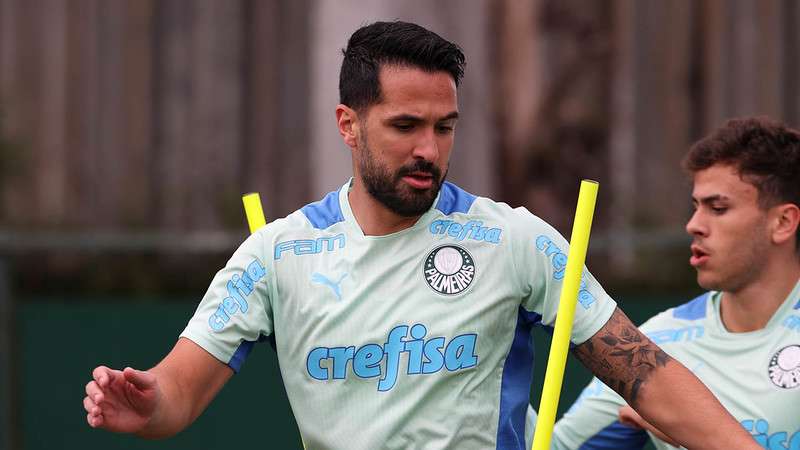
point(419, 339)
point(755, 375)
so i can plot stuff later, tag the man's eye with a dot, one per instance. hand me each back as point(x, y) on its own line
point(719, 209)
point(403, 126)
point(444, 129)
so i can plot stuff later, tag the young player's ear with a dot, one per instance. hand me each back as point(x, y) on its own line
point(347, 121)
point(786, 221)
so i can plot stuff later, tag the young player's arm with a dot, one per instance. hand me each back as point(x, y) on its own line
point(592, 422)
point(159, 402)
point(631, 418)
point(660, 388)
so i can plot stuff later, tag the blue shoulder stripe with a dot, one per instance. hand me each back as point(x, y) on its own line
point(616, 437)
point(692, 310)
point(453, 199)
point(324, 213)
point(797, 305)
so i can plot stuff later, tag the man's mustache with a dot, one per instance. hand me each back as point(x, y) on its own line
point(421, 166)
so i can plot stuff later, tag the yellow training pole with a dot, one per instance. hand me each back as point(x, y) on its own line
point(554, 376)
point(256, 220)
point(252, 208)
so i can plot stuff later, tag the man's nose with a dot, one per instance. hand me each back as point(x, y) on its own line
point(426, 147)
point(695, 226)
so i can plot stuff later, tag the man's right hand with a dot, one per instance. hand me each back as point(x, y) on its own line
point(122, 401)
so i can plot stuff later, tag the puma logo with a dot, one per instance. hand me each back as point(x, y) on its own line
point(322, 279)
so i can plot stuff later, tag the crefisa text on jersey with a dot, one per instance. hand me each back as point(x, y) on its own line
point(424, 356)
point(559, 261)
point(239, 287)
point(473, 229)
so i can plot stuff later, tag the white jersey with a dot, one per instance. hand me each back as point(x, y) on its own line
point(419, 339)
point(755, 375)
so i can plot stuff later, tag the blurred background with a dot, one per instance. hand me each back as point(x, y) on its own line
point(130, 129)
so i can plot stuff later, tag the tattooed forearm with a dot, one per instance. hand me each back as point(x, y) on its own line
point(621, 356)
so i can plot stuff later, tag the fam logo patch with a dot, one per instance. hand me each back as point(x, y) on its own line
point(784, 367)
point(449, 269)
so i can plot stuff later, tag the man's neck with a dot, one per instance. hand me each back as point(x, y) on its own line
point(374, 218)
point(751, 308)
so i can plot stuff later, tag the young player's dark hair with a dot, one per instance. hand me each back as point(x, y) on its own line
point(764, 152)
point(393, 43)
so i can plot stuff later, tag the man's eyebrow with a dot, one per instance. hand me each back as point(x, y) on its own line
point(404, 117)
point(452, 115)
point(413, 118)
point(710, 198)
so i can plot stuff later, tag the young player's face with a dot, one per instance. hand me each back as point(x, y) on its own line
point(405, 140)
point(729, 230)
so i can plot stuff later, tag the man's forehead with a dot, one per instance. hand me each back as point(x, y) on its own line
point(405, 84)
point(722, 182)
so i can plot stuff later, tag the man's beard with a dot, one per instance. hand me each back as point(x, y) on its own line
point(389, 189)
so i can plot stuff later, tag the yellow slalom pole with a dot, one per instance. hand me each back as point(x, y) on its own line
point(554, 376)
point(252, 208)
point(256, 220)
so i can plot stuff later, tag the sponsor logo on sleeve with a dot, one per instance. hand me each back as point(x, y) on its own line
point(558, 259)
point(239, 288)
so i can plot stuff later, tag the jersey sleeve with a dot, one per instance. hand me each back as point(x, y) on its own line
point(235, 311)
point(540, 261)
point(592, 423)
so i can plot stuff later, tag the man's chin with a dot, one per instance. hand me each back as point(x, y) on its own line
point(415, 203)
point(707, 282)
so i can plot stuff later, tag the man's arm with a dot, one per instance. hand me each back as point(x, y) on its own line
point(159, 402)
point(660, 388)
point(592, 422)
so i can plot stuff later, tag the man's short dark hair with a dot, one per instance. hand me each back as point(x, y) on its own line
point(392, 43)
point(764, 152)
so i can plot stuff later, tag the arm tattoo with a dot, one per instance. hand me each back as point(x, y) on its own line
point(621, 356)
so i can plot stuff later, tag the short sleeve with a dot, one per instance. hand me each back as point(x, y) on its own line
point(235, 312)
point(540, 261)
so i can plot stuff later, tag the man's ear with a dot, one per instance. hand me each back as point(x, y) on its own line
point(786, 220)
point(347, 120)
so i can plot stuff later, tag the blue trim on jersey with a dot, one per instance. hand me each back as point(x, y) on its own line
point(616, 437)
point(516, 384)
point(241, 353)
point(453, 199)
point(325, 212)
point(797, 305)
point(693, 310)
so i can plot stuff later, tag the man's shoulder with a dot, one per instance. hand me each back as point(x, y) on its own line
point(453, 199)
point(321, 214)
point(456, 200)
point(684, 322)
point(312, 218)
point(462, 209)
point(694, 309)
